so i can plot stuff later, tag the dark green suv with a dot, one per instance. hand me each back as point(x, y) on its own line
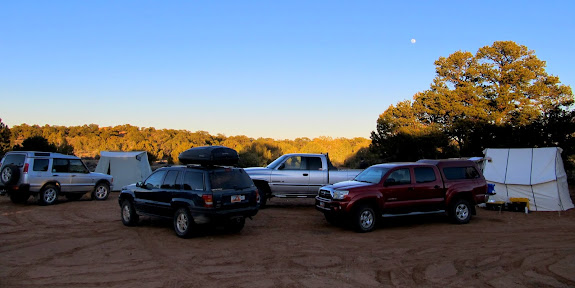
point(192, 195)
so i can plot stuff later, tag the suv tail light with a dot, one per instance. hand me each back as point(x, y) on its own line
point(25, 170)
point(208, 200)
point(258, 196)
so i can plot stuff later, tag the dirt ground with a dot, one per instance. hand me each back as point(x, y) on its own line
point(289, 244)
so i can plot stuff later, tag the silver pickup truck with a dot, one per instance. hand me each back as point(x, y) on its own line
point(297, 175)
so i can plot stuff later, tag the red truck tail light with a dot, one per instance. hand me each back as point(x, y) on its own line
point(25, 170)
point(208, 200)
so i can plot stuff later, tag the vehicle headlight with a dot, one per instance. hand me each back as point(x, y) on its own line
point(339, 194)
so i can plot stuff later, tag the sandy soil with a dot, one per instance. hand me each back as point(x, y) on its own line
point(289, 244)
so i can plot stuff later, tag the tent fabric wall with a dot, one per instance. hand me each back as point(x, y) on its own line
point(533, 173)
point(125, 167)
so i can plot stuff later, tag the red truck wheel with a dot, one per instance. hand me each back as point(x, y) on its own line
point(460, 212)
point(364, 219)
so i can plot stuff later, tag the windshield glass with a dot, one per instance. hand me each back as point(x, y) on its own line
point(276, 162)
point(230, 179)
point(371, 174)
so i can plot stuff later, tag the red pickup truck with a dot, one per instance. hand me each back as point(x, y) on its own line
point(453, 187)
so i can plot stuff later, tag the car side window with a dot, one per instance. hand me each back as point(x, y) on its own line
point(76, 166)
point(399, 176)
point(40, 165)
point(424, 174)
point(60, 165)
point(194, 180)
point(294, 163)
point(155, 180)
point(313, 163)
point(170, 180)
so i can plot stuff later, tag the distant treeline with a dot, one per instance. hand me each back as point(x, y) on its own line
point(166, 144)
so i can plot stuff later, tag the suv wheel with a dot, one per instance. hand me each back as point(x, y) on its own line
point(235, 225)
point(19, 198)
point(101, 192)
point(129, 215)
point(48, 195)
point(183, 222)
point(10, 175)
point(364, 219)
point(460, 212)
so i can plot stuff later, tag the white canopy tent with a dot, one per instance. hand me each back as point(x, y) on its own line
point(533, 173)
point(125, 167)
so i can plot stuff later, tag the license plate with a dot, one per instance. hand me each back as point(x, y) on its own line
point(238, 198)
point(321, 204)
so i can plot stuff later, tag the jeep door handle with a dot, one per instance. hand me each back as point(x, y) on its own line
point(436, 187)
point(305, 174)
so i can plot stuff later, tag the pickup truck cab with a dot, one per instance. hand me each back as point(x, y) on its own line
point(297, 175)
point(452, 187)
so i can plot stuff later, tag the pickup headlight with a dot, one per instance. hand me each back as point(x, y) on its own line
point(339, 194)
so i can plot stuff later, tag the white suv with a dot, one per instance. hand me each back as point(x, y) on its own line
point(46, 175)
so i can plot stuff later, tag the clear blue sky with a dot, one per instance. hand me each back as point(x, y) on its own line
point(279, 69)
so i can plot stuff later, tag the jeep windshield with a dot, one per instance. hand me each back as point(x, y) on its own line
point(226, 179)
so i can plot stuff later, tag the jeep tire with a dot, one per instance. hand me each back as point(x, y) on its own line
point(183, 223)
point(129, 215)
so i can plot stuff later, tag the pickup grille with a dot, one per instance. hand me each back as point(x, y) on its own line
point(324, 194)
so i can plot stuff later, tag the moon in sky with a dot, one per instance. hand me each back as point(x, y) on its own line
point(412, 41)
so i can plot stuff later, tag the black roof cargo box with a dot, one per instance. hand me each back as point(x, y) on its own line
point(210, 155)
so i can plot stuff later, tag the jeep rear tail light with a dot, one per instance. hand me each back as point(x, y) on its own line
point(25, 170)
point(208, 200)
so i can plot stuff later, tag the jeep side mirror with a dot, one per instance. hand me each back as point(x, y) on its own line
point(140, 184)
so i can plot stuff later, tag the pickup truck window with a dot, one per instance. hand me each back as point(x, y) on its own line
point(424, 174)
point(399, 176)
point(194, 180)
point(457, 173)
point(313, 163)
point(294, 163)
point(371, 175)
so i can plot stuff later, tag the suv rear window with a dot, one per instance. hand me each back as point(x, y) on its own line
point(457, 173)
point(14, 159)
point(230, 179)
